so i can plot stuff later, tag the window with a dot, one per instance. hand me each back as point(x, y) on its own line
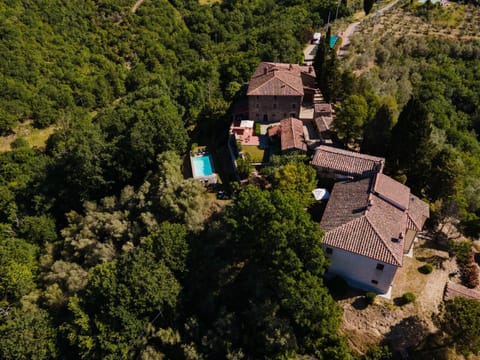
point(257, 105)
point(275, 97)
point(293, 114)
point(374, 282)
point(329, 250)
point(294, 106)
point(274, 106)
point(380, 267)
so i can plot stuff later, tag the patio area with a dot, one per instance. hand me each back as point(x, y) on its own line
point(244, 133)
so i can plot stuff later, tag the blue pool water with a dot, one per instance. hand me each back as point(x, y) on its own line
point(333, 40)
point(202, 166)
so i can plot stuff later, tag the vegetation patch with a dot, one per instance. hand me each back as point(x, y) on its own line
point(425, 269)
point(370, 298)
point(408, 297)
point(256, 154)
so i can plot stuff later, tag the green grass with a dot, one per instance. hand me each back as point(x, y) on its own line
point(256, 154)
point(208, 2)
point(34, 137)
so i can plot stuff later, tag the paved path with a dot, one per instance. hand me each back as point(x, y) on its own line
point(136, 5)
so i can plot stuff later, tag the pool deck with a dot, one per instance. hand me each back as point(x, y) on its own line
point(206, 179)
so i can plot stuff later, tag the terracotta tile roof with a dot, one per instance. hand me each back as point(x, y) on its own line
point(392, 191)
point(344, 162)
point(418, 213)
point(323, 123)
point(453, 290)
point(357, 221)
point(292, 136)
point(274, 131)
point(281, 79)
point(323, 109)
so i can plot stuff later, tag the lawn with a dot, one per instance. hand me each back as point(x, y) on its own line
point(256, 154)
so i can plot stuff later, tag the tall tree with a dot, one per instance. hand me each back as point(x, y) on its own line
point(411, 149)
point(274, 264)
point(377, 133)
point(350, 119)
point(367, 5)
point(460, 320)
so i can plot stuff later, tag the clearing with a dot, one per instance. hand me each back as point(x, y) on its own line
point(34, 137)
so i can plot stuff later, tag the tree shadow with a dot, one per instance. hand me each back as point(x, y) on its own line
point(340, 290)
point(399, 301)
point(407, 335)
point(434, 260)
point(360, 303)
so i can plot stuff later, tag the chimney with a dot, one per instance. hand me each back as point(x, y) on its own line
point(265, 70)
point(400, 236)
point(290, 67)
point(310, 69)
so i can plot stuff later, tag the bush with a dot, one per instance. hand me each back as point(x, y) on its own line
point(408, 297)
point(470, 275)
point(370, 297)
point(462, 251)
point(426, 269)
point(18, 143)
point(258, 129)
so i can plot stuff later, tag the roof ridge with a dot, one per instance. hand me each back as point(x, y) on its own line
point(350, 153)
point(381, 238)
point(276, 77)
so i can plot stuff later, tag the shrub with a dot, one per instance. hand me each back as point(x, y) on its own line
point(462, 251)
point(18, 143)
point(258, 129)
point(408, 297)
point(370, 297)
point(470, 275)
point(426, 269)
point(193, 147)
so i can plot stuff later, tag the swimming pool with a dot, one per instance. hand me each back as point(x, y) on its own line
point(333, 40)
point(202, 166)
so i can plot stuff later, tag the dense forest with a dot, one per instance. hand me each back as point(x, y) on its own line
point(107, 251)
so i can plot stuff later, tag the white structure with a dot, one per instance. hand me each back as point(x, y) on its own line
point(320, 194)
point(316, 38)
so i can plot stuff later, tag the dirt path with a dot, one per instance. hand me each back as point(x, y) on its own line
point(136, 6)
point(353, 27)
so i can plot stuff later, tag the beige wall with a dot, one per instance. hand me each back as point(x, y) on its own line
point(274, 107)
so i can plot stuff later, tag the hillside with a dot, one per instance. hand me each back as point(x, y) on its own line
point(108, 251)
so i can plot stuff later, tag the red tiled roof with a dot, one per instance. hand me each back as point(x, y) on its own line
point(323, 109)
point(323, 123)
point(393, 191)
point(292, 134)
point(358, 221)
point(274, 131)
point(346, 162)
point(453, 290)
point(418, 213)
point(281, 79)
